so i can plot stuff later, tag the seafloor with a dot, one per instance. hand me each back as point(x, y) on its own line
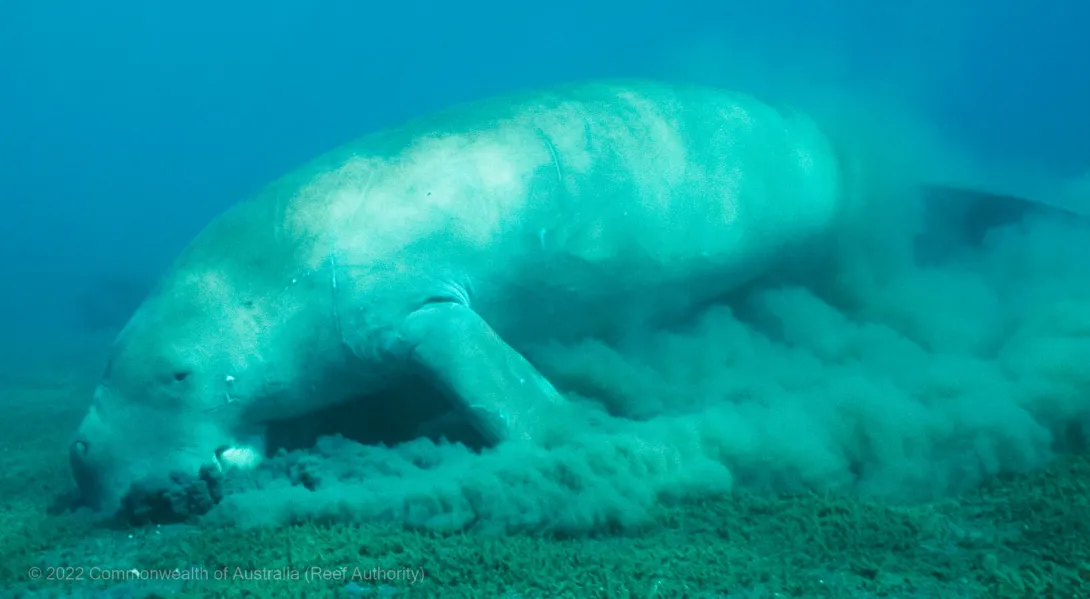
point(1015, 536)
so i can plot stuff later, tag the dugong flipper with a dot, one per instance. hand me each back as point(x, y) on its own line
point(441, 249)
point(456, 349)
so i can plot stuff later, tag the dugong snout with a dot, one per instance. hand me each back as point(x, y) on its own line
point(106, 460)
point(90, 467)
point(118, 448)
point(85, 473)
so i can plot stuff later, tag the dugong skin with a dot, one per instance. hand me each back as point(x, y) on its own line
point(437, 249)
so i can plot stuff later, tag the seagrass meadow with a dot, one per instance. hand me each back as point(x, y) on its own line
point(1014, 536)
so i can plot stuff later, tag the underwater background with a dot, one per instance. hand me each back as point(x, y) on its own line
point(918, 432)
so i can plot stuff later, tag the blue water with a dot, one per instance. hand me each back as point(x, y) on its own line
point(127, 125)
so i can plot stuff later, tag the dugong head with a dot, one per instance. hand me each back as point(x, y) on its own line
point(160, 405)
point(187, 377)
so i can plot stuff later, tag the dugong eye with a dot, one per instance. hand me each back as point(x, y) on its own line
point(181, 375)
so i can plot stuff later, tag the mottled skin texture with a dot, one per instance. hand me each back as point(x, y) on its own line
point(438, 248)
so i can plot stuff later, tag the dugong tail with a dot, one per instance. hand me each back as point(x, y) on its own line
point(907, 179)
point(961, 217)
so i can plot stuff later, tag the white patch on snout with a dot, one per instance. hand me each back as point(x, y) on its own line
point(241, 458)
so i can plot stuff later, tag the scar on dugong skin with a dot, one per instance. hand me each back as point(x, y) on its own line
point(438, 248)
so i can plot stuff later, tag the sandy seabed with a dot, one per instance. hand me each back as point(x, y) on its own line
point(1013, 536)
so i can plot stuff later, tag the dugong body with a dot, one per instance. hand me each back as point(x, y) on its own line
point(439, 248)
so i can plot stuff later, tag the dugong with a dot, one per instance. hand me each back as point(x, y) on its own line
point(437, 249)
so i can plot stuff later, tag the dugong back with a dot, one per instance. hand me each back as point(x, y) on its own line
point(612, 191)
